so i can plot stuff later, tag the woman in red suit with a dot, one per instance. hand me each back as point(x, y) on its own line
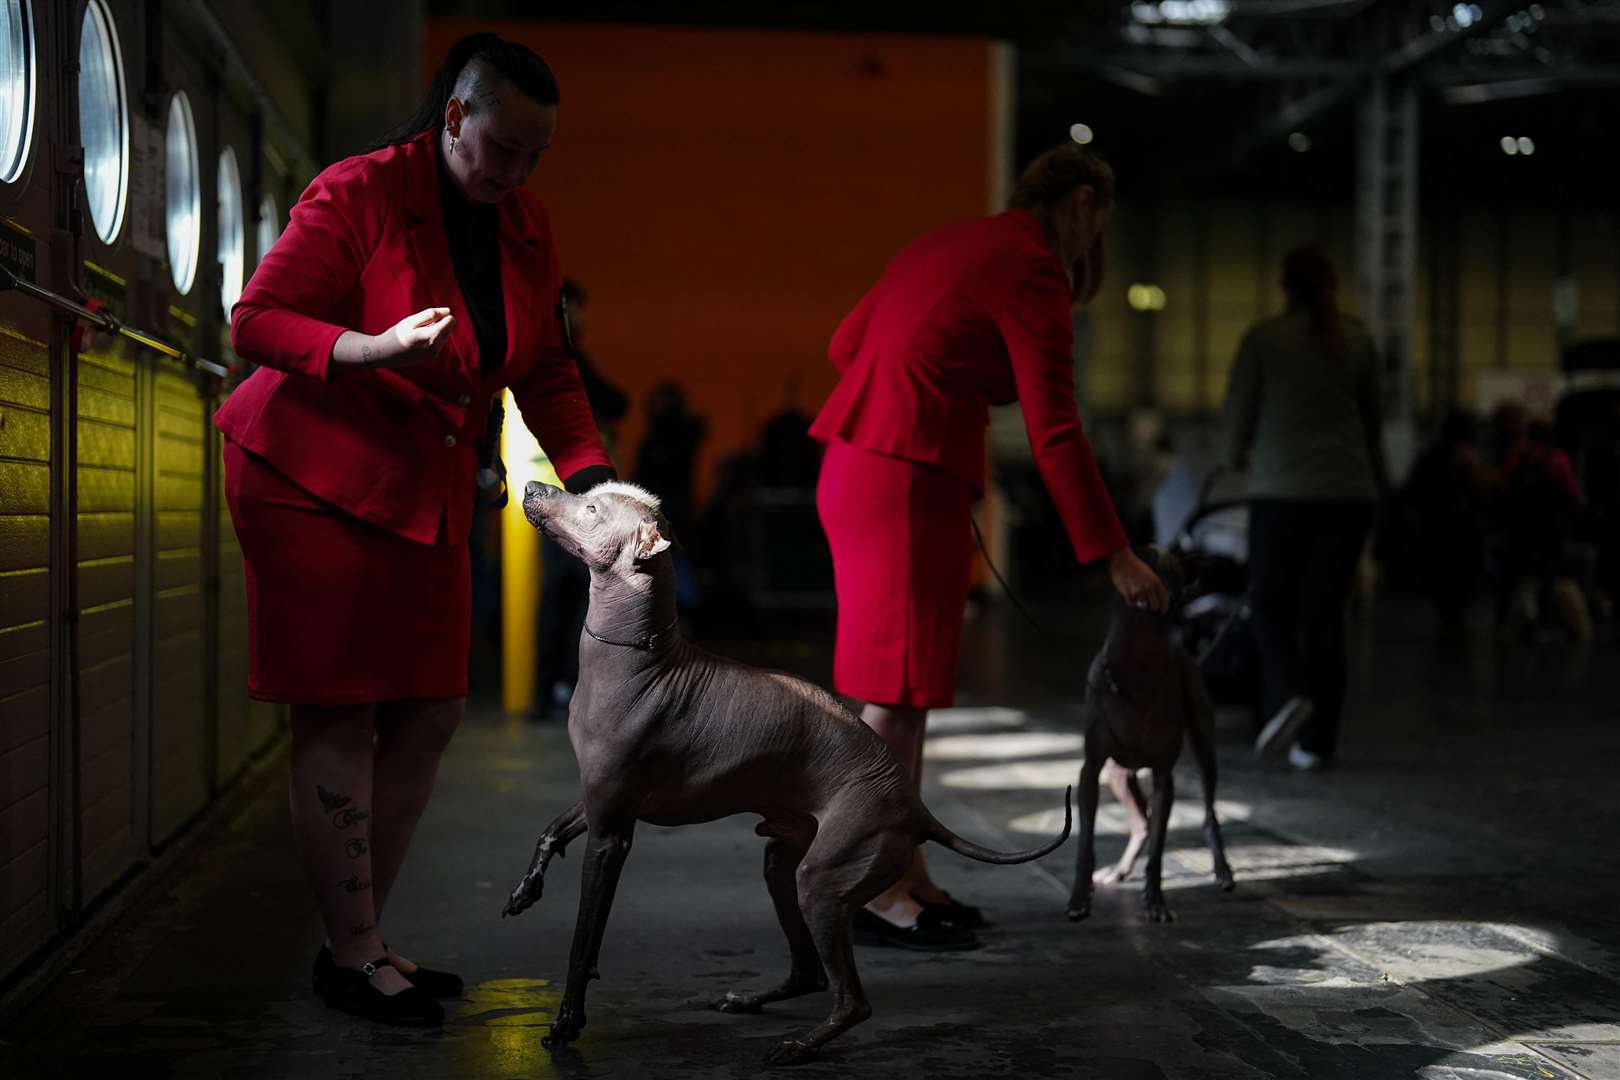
point(971, 315)
point(411, 285)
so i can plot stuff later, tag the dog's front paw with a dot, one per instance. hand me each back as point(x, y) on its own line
point(523, 897)
point(1079, 907)
point(564, 1029)
point(791, 1052)
point(1223, 876)
point(1108, 875)
point(1155, 907)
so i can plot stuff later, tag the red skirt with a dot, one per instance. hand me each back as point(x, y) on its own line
point(902, 548)
point(341, 612)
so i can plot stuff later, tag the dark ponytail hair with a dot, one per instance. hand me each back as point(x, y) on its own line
point(1049, 178)
point(496, 59)
point(1309, 280)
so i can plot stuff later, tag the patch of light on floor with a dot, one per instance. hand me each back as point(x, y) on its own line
point(1185, 815)
point(946, 721)
point(1001, 745)
point(1258, 862)
point(1417, 950)
point(1014, 775)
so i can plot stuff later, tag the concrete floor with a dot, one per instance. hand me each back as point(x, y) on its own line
point(1442, 905)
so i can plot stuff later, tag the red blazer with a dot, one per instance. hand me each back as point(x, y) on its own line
point(366, 247)
point(968, 316)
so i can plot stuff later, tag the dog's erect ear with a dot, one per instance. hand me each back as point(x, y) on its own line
point(649, 541)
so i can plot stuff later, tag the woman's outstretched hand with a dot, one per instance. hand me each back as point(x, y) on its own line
point(1136, 582)
point(415, 339)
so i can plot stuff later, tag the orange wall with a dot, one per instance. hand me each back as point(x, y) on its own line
point(726, 196)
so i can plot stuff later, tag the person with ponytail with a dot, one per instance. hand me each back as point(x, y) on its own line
point(412, 285)
point(1303, 417)
point(968, 316)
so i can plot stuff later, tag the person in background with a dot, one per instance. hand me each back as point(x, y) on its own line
point(1449, 492)
point(1302, 415)
point(665, 464)
point(564, 581)
point(411, 285)
point(1541, 506)
point(968, 316)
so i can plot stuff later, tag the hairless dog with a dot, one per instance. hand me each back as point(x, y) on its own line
point(669, 734)
point(1144, 696)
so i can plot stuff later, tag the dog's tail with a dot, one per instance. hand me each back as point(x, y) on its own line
point(937, 832)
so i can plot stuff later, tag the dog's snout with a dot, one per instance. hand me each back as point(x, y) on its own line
point(534, 488)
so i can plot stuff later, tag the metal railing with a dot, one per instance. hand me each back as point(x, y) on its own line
point(105, 320)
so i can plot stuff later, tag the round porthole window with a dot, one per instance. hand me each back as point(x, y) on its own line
point(269, 225)
point(16, 88)
point(184, 206)
point(103, 121)
point(231, 230)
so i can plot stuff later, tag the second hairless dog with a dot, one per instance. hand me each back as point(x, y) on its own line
point(669, 734)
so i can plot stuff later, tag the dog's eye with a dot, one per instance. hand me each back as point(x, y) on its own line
point(590, 508)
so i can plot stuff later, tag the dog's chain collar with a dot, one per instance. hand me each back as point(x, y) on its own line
point(648, 643)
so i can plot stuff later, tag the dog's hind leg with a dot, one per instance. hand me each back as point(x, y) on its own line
point(553, 839)
point(1122, 782)
point(1085, 859)
point(807, 976)
point(1164, 797)
point(838, 875)
point(1200, 734)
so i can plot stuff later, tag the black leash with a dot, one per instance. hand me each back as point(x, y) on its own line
point(978, 540)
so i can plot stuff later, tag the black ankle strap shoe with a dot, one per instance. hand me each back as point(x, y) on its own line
point(439, 984)
point(351, 991)
point(928, 934)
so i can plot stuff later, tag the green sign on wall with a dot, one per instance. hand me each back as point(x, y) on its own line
point(17, 251)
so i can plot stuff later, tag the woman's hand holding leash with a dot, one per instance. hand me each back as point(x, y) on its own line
point(1136, 582)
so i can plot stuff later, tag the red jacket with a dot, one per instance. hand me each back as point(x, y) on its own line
point(971, 315)
point(366, 247)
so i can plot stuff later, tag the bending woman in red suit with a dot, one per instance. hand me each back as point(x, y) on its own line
point(411, 285)
point(970, 315)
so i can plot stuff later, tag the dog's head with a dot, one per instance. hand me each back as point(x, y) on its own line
point(612, 527)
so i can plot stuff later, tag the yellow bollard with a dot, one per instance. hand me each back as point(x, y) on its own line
point(520, 561)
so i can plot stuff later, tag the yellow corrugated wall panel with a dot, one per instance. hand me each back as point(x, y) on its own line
point(182, 746)
point(107, 441)
point(25, 658)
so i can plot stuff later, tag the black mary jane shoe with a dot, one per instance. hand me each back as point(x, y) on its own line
point(929, 933)
point(433, 983)
point(439, 984)
point(350, 990)
point(953, 911)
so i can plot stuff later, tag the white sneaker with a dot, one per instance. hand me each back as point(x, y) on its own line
point(1304, 760)
point(1280, 732)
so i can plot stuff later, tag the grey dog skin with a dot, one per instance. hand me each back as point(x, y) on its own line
point(1144, 695)
point(669, 734)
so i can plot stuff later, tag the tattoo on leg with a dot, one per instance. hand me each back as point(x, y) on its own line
point(354, 884)
point(349, 815)
point(356, 848)
point(331, 800)
point(363, 929)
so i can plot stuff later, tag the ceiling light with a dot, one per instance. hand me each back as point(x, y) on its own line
point(1526, 145)
point(1080, 133)
point(1299, 141)
point(1509, 145)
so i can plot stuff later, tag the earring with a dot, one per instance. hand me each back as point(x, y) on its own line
point(452, 144)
